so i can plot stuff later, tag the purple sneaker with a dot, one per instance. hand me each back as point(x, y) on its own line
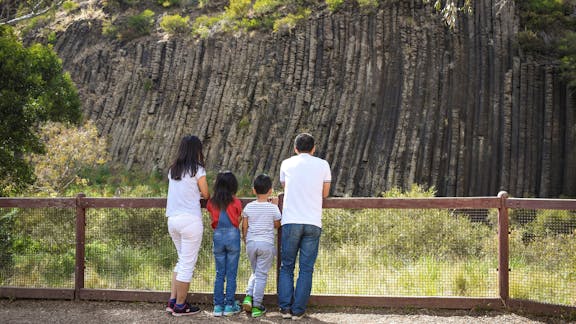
point(186, 310)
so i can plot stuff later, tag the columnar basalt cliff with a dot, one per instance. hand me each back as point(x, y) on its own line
point(393, 98)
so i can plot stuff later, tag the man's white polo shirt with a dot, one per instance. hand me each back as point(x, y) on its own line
point(303, 176)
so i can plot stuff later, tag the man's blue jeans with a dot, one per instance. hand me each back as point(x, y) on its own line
point(304, 238)
point(226, 255)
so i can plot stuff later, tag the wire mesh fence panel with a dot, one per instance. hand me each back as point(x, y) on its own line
point(408, 252)
point(128, 248)
point(543, 255)
point(131, 249)
point(37, 247)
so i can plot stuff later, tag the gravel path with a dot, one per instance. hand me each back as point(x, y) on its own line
point(86, 312)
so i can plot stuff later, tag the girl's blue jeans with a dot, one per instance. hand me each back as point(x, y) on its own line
point(226, 250)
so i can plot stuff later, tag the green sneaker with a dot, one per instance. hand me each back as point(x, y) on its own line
point(247, 303)
point(258, 311)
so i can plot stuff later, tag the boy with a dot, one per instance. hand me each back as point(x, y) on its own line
point(260, 218)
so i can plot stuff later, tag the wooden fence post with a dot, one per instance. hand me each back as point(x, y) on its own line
point(503, 249)
point(80, 245)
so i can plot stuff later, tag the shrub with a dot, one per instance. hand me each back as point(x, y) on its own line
point(175, 24)
point(168, 3)
point(69, 6)
point(204, 25)
point(138, 25)
point(334, 5)
point(289, 22)
point(68, 151)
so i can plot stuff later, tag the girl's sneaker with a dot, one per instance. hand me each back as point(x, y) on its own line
point(247, 303)
point(187, 309)
point(218, 311)
point(230, 310)
point(258, 311)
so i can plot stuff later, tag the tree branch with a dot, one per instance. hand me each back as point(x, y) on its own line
point(32, 14)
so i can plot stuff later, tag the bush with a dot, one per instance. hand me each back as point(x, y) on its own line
point(334, 5)
point(138, 25)
point(289, 22)
point(68, 151)
point(175, 24)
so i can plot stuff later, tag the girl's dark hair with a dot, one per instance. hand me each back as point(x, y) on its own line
point(225, 187)
point(189, 158)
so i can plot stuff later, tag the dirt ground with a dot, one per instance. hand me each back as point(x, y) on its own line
point(87, 312)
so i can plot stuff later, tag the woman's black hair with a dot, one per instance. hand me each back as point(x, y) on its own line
point(189, 158)
point(225, 187)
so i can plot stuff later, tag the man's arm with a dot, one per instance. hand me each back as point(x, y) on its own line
point(326, 189)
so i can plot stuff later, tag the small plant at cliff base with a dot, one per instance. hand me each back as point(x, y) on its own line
point(68, 151)
point(175, 24)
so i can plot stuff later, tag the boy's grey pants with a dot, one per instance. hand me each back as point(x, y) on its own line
point(261, 256)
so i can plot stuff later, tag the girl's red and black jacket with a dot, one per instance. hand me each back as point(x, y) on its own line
point(234, 211)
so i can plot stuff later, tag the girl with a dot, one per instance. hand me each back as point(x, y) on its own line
point(187, 181)
point(226, 211)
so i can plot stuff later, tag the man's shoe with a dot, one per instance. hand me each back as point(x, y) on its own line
point(247, 303)
point(297, 317)
point(218, 311)
point(230, 310)
point(258, 311)
point(286, 313)
point(187, 309)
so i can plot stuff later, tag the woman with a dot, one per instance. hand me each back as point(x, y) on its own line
point(187, 185)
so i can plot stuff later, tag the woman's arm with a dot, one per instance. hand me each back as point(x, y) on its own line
point(203, 186)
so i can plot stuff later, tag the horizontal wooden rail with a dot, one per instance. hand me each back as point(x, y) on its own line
point(415, 203)
point(532, 203)
point(37, 202)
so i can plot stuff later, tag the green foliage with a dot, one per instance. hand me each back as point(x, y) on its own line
point(120, 4)
point(69, 6)
point(334, 5)
point(549, 28)
point(567, 48)
point(289, 22)
point(68, 151)
point(175, 24)
point(168, 3)
point(368, 4)
point(138, 25)
point(204, 25)
point(130, 27)
point(33, 88)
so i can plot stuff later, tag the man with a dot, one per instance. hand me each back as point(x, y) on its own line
point(306, 181)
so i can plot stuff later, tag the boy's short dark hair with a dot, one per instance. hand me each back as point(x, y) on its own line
point(304, 143)
point(262, 184)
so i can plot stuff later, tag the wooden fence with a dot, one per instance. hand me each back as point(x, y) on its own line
point(502, 203)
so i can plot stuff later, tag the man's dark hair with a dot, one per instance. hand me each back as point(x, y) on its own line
point(304, 143)
point(262, 183)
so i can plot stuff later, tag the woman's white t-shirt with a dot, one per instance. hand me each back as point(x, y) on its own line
point(184, 195)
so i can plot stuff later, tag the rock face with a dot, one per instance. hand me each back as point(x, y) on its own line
point(392, 98)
